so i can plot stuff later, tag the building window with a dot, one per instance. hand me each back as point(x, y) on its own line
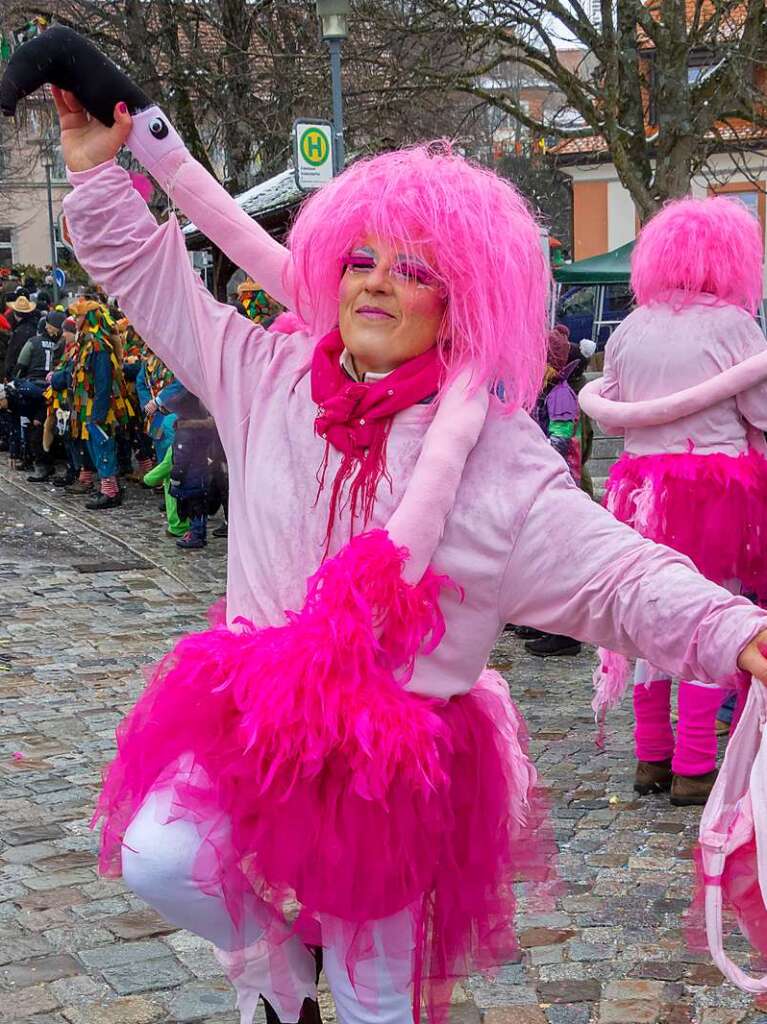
point(6, 247)
point(749, 199)
point(750, 193)
point(701, 64)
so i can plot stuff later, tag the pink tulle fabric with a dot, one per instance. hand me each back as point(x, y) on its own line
point(712, 508)
point(610, 678)
point(342, 790)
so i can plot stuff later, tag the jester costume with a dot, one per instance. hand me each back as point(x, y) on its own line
point(58, 399)
point(100, 403)
point(135, 441)
point(254, 302)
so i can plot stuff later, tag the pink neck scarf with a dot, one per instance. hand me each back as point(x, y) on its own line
point(356, 418)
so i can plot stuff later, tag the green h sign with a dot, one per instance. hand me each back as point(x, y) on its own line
point(314, 147)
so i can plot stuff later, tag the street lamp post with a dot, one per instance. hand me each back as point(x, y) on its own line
point(48, 164)
point(333, 15)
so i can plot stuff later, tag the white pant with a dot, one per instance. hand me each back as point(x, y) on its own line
point(157, 860)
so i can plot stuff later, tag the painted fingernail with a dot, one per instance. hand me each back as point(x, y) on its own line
point(122, 107)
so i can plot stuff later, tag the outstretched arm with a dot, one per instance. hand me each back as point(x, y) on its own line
point(598, 580)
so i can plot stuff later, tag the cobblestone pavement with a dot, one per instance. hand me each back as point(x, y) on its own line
point(76, 949)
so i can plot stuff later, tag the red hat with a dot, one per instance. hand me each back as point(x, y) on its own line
point(559, 347)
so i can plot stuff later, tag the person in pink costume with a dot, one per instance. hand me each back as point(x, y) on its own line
point(338, 744)
point(689, 476)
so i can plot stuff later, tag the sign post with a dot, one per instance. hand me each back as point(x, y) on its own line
point(312, 153)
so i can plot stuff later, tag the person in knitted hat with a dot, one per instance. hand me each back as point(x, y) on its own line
point(337, 746)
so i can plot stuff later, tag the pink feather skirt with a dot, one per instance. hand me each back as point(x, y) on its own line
point(395, 800)
point(712, 508)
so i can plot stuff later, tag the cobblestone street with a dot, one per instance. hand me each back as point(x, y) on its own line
point(76, 949)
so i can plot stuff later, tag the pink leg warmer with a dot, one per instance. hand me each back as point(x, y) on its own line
point(653, 735)
point(696, 743)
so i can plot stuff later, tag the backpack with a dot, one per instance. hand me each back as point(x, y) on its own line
point(732, 858)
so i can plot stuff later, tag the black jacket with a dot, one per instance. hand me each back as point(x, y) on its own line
point(42, 354)
point(21, 334)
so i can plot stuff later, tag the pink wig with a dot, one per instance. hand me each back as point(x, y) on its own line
point(700, 245)
point(479, 237)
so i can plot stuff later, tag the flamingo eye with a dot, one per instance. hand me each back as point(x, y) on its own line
point(158, 128)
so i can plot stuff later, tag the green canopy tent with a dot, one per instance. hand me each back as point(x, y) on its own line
point(607, 268)
point(597, 271)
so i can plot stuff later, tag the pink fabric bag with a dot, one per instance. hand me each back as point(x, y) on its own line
point(732, 860)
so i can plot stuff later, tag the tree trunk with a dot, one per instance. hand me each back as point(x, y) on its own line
point(237, 132)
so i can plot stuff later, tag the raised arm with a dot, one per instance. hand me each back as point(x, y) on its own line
point(158, 147)
point(593, 578)
point(91, 82)
point(214, 351)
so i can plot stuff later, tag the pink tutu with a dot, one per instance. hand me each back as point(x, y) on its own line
point(712, 508)
point(395, 800)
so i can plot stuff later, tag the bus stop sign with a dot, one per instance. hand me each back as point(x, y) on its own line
point(312, 153)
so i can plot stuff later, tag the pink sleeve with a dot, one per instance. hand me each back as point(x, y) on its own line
point(576, 570)
point(159, 148)
point(747, 339)
point(214, 350)
point(609, 386)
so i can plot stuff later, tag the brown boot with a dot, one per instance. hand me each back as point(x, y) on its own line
point(692, 790)
point(78, 487)
point(652, 777)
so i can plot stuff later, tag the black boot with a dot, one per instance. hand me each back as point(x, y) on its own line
point(66, 480)
point(104, 501)
point(41, 475)
point(524, 632)
point(551, 645)
point(310, 1011)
